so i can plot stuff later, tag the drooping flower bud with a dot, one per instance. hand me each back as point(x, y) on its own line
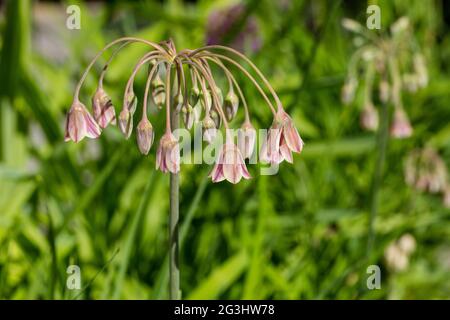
point(282, 139)
point(158, 92)
point(209, 129)
point(179, 102)
point(205, 96)
point(197, 110)
point(219, 95)
point(231, 105)
point(216, 118)
point(102, 106)
point(126, 115)
point(188, 116)
point(168, 154)
point(126, 122)
point(194, 96)
point(145, 135)
point(369, 118)
point(401, 128)
point(80, 123)
point(246, 139)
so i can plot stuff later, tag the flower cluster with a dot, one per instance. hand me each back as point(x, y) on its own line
point(393, 62)
point(426, 171)
point(183, 83)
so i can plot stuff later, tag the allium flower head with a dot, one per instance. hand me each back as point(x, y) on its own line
point(189, 93)
point(80, 124)
point(426, 171)
point(168, 154)
point(103, 108)
point(392, 60)
point(215, 118)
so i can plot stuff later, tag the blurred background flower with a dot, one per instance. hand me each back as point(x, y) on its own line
point(235, 26)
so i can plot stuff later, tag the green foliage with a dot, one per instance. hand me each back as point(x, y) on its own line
point(300, 234)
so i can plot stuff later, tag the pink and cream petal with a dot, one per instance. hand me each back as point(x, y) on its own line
point(107, 116)
point(245, 172)
point(77, 126)
point(232, 172)
point(286, 153)
point(293, 139)
point(92, 128)
point(217, 173)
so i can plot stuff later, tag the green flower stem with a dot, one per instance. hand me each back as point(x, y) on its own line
point(174, 268)
point(382, 141)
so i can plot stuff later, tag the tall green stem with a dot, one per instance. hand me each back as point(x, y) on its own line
point(174, 269)
point(382, 140)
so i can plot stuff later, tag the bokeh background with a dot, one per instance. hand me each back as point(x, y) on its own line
point(301, 234)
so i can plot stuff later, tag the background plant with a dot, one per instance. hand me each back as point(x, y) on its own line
point(300, 234)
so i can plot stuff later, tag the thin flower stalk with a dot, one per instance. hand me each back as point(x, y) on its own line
point(219, 111)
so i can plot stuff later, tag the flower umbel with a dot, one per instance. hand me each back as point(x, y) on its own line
point(191, 93)
point(393, 61)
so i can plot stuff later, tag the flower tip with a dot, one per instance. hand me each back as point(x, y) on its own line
point(145, 136)
point(126, 122)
